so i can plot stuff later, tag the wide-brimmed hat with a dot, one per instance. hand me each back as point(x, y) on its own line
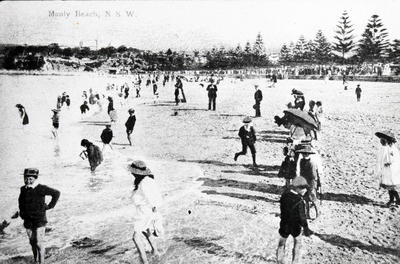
point(386, 135)
point(32, 172)
point(247, 119)
point(297, 92)
point(138, 167)
point(305, 149)
point(55, 110)
point(299, 182)
point(131, 110)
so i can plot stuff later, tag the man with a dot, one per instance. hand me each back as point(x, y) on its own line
point(248, 138)
point(93, 153)
point(106, 136)
point(32, 209)
point(258, 98)
point(358, 93)
point(212, 95)
point(130, 124)
point(293, 219)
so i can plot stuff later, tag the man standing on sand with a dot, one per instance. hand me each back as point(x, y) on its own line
point(258, 98)
point(32, 209)
point(212, 94)
point(293, 220)
point(248, 138)
point(358, 93)
point(130, 124)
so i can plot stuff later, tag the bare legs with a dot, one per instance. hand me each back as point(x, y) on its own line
point(280, 252)
point(139, 243)
point(36, 239)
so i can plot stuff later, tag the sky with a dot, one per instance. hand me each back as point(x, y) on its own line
point(185, 25)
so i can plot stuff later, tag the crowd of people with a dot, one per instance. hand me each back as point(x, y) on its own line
point(301, 168)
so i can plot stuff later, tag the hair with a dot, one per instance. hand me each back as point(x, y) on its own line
point(85, 142)
point(138, 180)
point(319, 103)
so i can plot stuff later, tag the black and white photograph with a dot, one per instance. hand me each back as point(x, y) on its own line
point(200, 132)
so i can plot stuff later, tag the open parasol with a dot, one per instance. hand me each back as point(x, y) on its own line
point(301, 118)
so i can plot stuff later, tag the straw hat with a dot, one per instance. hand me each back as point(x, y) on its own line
point(299, 182)
point(138, 167)
point(32, 172)
point(247, 119)
point(386, 135)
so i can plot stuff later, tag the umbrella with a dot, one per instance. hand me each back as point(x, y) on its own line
point(301, 118)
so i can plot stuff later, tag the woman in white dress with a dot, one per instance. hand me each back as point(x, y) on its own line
point(388, 166)
point(147, 199)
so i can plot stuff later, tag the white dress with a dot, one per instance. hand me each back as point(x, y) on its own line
point(145, 198)
point(389, 176)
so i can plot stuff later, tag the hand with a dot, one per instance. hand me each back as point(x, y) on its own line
point(15, 215)
point(307, 232)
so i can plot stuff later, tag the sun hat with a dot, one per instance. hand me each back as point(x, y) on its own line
point(33, 172)
point(305, 149)
point(386, 135)
point(247, 119)
point(297, 92)
point(299, 182)
point(55, 110)
point(138, 167)
point(131, 110)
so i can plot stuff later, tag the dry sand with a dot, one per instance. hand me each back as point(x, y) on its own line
point(229, 213)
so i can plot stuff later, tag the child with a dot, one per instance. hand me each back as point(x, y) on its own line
point(248, 138)
point(388, 166)
point(23, 114)
point(293, 219)
point(56, 122)
point(106, 136)
point(84, 107)
point(93, 153)
point(288, 166)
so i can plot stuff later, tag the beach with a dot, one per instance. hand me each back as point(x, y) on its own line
point(215, 210)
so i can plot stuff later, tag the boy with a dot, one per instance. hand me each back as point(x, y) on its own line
point(248, 138)
point(32, 209)
point(106, 136)
point(293, 219)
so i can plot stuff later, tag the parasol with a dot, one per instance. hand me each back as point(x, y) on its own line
point(301, 118)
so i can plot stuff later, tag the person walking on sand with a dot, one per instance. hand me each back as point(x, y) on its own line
point(93, 153)
point(358, 93)
point(388, 166)
point(248, 137)
point(212, 95)
point(56, 122)
point(146, 200)
point(106, 137)
point(258, 98)
point(293, 220)
point(84, 107)
point(32, 209)
point(22, 114)
point(130, 124)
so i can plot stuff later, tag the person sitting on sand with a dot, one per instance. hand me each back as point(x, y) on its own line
point(130, 124)
point(248, 137)
point(147, 200)
point(56, 122)
point(23, 114)
point(93, 153)
point(106, 137)
point(388, 166)
point(293, 219)
point(32, 209)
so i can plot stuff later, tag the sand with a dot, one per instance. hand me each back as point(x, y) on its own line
point(221, 211)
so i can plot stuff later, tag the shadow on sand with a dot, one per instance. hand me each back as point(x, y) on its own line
point(204, 244)
point(258, 187)
point(241, 196)
point(276, 132)
point(223, 164)
point(252, 172)
point(348, 243)
point(346, 198)
point(228, 115)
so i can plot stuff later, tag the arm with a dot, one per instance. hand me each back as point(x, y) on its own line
point(302, 215)
point(55, 194)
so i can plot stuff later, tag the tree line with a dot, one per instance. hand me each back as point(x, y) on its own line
point(373, 46)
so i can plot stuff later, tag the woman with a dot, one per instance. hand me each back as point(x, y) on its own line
point(23, 114)
point(388, 166)
point(146, 199)
point(130, 124)
point(111, 111)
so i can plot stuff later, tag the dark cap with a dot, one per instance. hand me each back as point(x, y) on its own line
point(32, 172)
